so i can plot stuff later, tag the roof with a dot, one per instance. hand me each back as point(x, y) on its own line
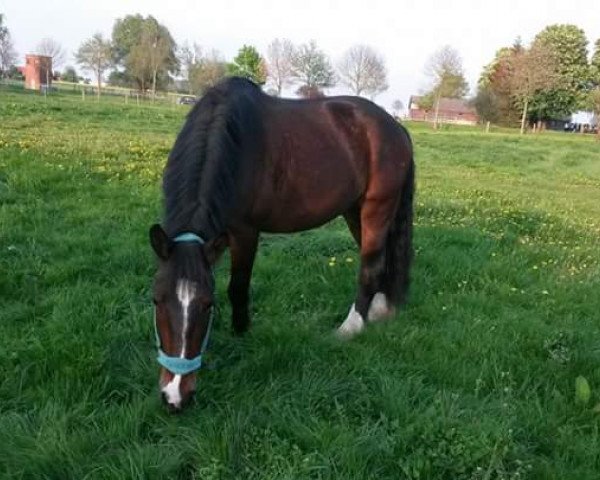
point(453, 105)
point(37, 55)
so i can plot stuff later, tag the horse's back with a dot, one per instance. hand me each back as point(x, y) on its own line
point(320, 157)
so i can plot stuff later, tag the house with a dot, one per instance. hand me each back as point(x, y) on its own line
point(37, 71)
point(584, 118)
point(451, 110)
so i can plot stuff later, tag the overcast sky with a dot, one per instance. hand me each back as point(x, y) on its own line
point(406, 32)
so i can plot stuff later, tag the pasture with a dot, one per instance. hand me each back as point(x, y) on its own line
point(474, 379)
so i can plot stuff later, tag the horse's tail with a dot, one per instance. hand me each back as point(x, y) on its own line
point(399, 251)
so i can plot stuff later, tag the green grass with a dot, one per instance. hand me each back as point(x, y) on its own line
point(474, 379)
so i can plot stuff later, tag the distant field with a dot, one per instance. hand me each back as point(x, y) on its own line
point(474, 379)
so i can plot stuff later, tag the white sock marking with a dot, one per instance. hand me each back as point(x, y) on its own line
point(353, 324)
point(186, 291)
point(379, 308)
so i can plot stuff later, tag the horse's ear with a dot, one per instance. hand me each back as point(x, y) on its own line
point(160, 241)
point(215, 248)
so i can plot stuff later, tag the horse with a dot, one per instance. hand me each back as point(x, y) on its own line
point(245, 163)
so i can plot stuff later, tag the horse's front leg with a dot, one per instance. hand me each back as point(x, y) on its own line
point(242, 246)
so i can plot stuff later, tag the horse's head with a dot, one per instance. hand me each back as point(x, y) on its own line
point(183, 300)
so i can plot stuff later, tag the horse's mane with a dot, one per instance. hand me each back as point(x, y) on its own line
point(200, 178)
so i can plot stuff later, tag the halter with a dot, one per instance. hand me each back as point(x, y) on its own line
point(188, 237)
point(178, 365)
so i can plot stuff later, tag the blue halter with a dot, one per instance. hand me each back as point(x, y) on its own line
point(188, 237)
point(177, 365)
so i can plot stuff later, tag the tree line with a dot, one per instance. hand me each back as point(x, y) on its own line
point(547, 80)
point(142, 54)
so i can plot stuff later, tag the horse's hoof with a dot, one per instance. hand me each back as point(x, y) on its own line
point(380, 309)
point(353, 325)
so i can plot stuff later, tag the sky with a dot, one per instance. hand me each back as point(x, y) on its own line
point(405, 32)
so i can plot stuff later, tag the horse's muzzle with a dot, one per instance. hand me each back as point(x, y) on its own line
point(177, 391)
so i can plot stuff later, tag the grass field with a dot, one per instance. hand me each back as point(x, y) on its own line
point(474, 379)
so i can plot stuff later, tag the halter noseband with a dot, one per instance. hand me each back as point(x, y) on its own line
point(178, 365)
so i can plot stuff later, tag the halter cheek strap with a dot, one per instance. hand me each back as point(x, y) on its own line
point(178, 365)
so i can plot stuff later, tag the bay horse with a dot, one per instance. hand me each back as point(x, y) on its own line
point(244, 163)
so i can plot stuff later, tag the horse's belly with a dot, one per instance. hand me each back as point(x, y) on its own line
point(294, 211)
point(286, 222)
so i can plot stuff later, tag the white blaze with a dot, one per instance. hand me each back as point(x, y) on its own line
point(186, 291)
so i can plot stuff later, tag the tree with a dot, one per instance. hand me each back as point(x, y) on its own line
point(95, 55)
point(568, 44)
point(206, 71)
point(596, 56)
point(8, 55)
point(144, 50)
point(363, 70)
point(70, 75)
point(496, 80)
point(51, 48)
point(249, 64)
point(311, 68)
point(486, 104)
point(187, 58)
point(125, 34)
point(138, 66)
point(306, 91)
point(593, 103)
point(118, 78)
point(534, 72)
point(595, 67)
point(14, 73)
point(280, 56)
point(151, 53)
point(447, 78)
point(397, 107)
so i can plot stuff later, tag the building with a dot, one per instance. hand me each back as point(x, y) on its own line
point(584, 118)
point(452, 110)
point(37, 71)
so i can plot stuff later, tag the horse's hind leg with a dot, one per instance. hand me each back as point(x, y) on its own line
point(242, 246)
point(375, 218)
point(352, 218)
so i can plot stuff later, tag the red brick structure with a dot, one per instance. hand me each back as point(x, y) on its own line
point(37, 71)
point(452, 110)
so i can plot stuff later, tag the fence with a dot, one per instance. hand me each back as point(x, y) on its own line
point(90, 91)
